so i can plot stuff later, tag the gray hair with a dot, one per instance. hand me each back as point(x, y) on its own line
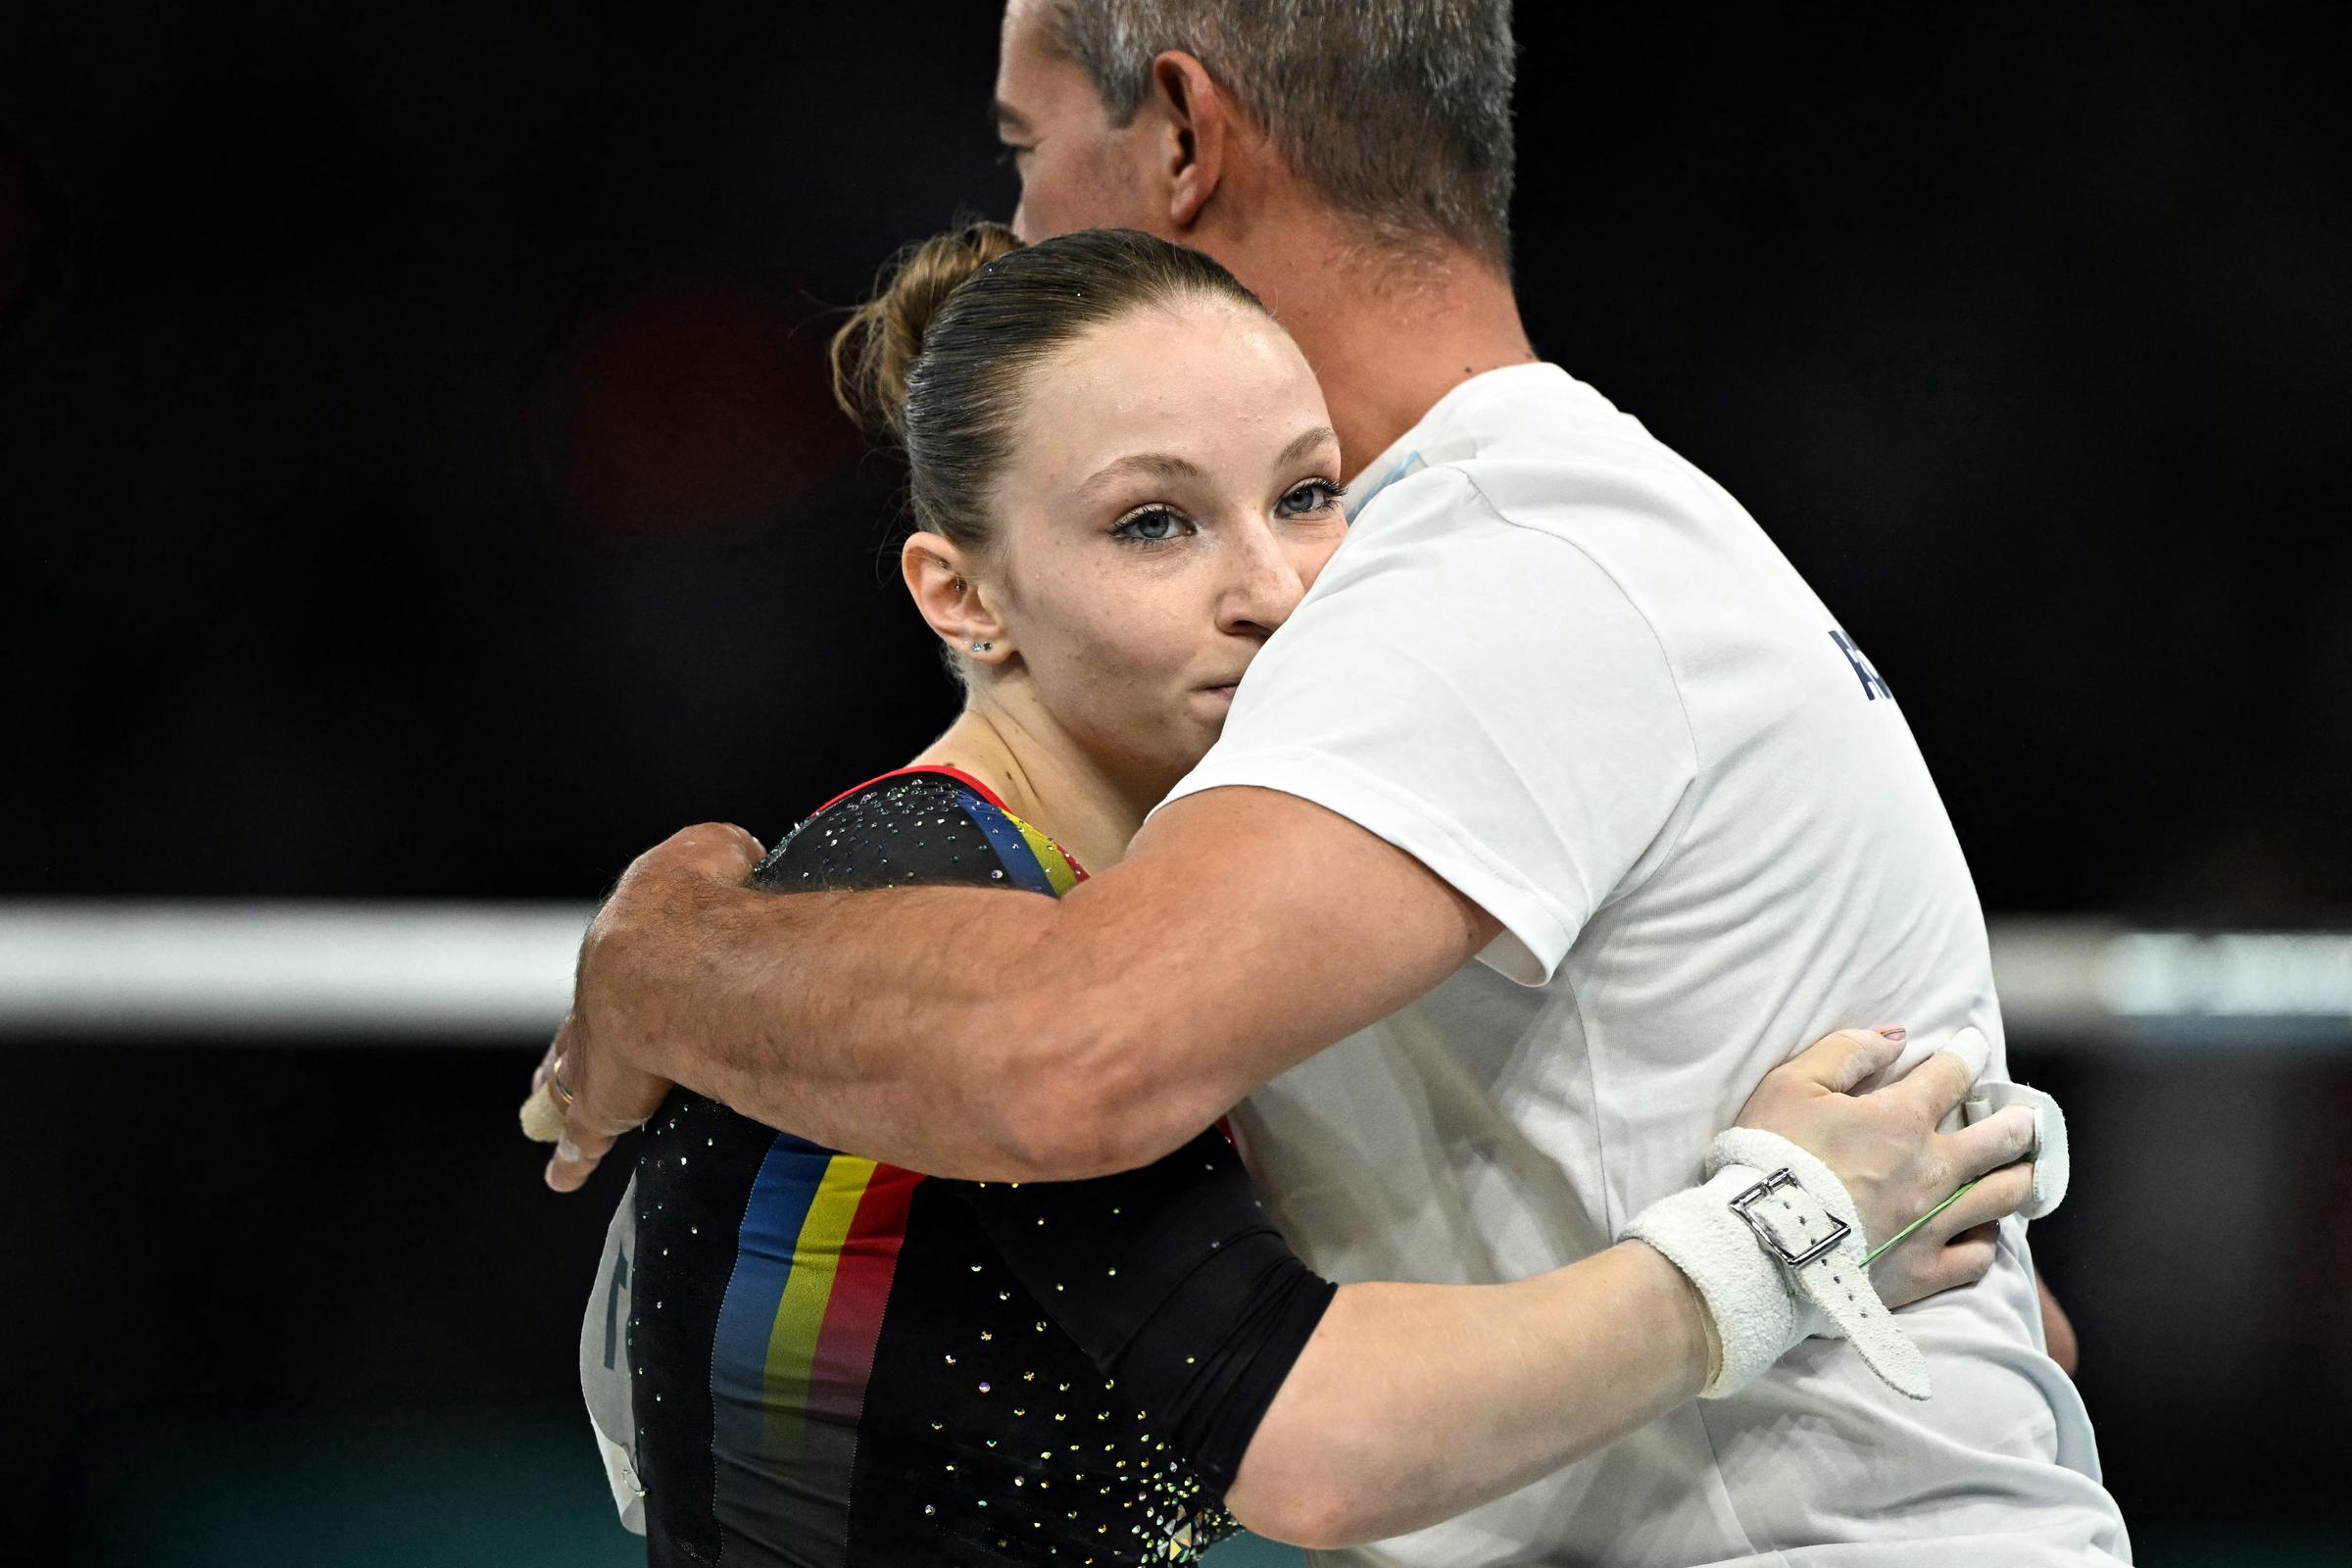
point(1397, 112)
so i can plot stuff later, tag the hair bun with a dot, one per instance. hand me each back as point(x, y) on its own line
point(876, 348)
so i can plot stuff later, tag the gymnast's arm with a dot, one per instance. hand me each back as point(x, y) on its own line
point(1331, 1417)
point(1015, 1039)
point(1415, 1403)
point(1326, 1417)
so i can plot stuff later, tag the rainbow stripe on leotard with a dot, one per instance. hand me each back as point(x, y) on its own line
point(1032, 861)
point(795, 1341)
point(814, 1259)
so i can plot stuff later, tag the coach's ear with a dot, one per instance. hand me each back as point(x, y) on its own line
point(1203, 123)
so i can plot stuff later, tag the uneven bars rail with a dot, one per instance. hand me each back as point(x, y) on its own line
point(494, 974)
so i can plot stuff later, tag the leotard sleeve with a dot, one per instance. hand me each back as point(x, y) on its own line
point(1175, 1283)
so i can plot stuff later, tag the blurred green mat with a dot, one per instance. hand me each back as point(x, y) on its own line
point(488, 1487)
point(518, 1487)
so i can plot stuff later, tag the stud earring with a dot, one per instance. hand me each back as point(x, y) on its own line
point(982, 647)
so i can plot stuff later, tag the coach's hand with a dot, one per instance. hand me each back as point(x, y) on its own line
point(1884, 1146)
point(594, 1082)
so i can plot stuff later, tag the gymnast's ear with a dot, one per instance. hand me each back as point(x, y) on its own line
point(954, 600)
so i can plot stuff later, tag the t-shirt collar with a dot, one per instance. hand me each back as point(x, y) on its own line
point(1449, 431)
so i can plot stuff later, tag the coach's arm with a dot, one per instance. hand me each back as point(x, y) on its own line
point(978, 1032)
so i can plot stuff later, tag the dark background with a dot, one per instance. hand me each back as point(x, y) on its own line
point(420, 478)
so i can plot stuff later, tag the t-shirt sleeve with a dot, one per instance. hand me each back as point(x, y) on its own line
point(1174, 1283)
point(1481, 694)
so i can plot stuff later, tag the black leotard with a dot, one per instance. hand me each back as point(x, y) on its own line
point(837, 1363)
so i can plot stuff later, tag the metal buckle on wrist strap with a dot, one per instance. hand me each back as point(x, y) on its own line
point(1744, 1207)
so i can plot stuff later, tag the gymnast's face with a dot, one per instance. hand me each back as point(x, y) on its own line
point(1171, 490)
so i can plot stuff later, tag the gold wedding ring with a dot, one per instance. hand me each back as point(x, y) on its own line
point(543, 1114)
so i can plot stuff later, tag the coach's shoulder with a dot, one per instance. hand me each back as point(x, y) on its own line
point(1531, 504)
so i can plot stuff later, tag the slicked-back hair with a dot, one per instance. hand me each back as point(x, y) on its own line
point(943, 355)
point(1397, 111)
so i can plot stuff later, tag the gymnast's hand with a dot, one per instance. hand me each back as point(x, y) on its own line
point(592, 1086)
point(1884, 1146)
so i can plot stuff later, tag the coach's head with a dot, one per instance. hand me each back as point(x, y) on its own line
point(1375, 136)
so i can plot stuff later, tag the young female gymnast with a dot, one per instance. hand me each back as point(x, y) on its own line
point(1124, 479)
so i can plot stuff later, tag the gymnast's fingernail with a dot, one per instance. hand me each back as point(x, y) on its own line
point(1898, 1034)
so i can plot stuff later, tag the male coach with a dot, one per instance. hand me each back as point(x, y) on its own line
point(1558, 705)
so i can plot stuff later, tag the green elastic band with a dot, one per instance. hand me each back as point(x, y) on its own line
point(1880, 1250)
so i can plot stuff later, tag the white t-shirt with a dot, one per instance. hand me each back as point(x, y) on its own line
point(1566, 671)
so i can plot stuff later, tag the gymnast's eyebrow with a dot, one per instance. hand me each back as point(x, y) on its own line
point(1147, 464)
point(1005, 118)
point(1165, 466)
point(1306, 442)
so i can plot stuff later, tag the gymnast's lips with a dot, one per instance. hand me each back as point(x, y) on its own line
point(1223, 692)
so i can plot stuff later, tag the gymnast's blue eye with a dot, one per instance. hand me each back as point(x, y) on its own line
point(1305, 501)
point(1154, 525)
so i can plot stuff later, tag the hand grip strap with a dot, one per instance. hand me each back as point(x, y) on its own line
point(1774, 1243)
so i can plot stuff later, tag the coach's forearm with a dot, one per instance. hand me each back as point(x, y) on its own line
point(942, 1029)
point(1414, 1402)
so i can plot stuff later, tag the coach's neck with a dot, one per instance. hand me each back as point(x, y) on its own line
point(1391, 333)
point(1390, 327)
point(1391, 316)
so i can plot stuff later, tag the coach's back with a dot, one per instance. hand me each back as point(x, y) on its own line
point(1567, 672)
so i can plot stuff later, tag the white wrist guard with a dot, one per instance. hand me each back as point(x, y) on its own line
point(1774, 1244)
